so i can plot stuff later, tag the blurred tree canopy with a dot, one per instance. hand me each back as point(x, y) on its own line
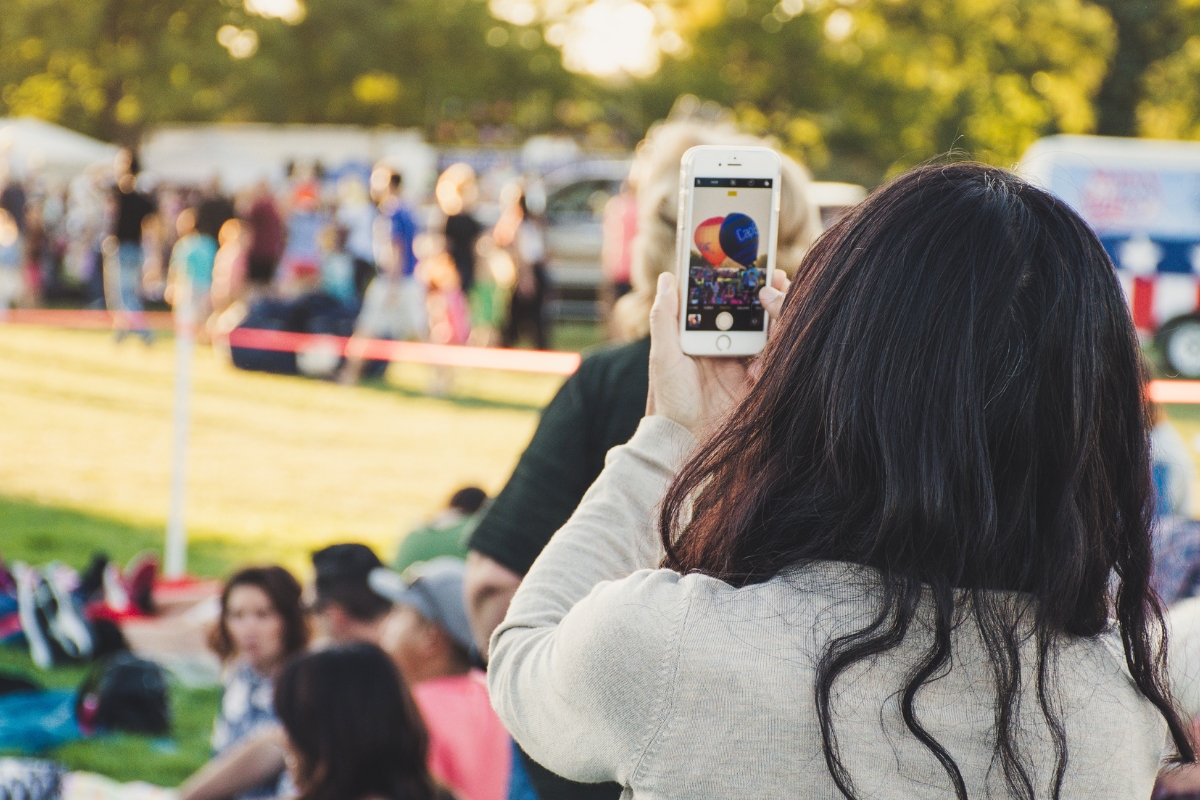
point(858, 88)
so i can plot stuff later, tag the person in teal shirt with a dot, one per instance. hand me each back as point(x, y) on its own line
point(191, 267)
point(446, 534)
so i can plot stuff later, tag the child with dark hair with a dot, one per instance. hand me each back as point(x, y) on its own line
point(346, 609)
point(353, 731)
point(262, 624)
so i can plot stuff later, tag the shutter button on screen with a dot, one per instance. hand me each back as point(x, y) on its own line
point(724, 321)
point(723, 343)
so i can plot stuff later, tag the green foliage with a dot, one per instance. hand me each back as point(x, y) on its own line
point(1147, 32)
point(114, 67)
point(1168, 100)
point(124, 65)
point(864, 89)
point(858, 88)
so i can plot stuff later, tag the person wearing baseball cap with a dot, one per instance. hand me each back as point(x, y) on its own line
point(428, 636)
point(344, 606)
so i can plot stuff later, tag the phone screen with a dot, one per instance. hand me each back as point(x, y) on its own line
point(728, 263)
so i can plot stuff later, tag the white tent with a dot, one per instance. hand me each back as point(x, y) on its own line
point(32, 146)
point(243, 154)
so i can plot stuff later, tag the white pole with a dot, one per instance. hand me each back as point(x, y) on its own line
point(175, 565)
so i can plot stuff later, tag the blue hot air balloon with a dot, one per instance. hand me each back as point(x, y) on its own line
point(739, 239)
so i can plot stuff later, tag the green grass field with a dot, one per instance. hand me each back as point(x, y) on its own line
point(277, 467)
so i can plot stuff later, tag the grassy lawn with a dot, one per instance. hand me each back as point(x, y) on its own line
point(277, 466)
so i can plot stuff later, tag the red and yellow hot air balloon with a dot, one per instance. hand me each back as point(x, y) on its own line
point(708, 240)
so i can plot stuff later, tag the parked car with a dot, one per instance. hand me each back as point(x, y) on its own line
point(1142, 197)
point(833, 199)
point(575, 198)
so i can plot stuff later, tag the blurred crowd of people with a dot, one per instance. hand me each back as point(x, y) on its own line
point(401, 270)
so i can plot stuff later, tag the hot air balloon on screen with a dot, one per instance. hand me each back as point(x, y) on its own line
point(708, 240)
point(739, 239)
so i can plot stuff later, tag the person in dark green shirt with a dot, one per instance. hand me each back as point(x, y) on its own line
point(446, 534)
point(600, 406)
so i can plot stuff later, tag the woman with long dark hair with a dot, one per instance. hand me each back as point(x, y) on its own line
point(262, 624)
point(353, 730)
point(905, 554)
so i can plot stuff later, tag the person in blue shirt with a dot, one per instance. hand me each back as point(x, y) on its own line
point(404, 229)
point(394, 303)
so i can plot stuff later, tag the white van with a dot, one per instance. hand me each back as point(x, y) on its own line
point(1142, 197)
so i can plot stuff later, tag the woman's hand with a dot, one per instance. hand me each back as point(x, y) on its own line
point(772, 296)
point(695, 392)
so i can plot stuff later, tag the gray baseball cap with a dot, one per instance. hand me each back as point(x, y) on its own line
point(434, 590)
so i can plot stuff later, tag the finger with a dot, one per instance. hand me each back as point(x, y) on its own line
point(664, 315)
point(772, 300)
point(779, 280)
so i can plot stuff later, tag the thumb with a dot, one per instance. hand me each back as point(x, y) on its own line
point(664, 315)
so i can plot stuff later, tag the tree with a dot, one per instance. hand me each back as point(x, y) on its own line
point(117, 65)
point(124, 65)
point(1147, 32)
point(861, 91)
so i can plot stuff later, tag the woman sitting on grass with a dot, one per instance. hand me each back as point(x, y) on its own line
point(353, 730)
point(262, 624)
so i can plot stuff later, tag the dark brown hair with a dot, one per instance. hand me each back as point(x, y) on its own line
point(354, 725)
point(283, 590)
point(952, 397)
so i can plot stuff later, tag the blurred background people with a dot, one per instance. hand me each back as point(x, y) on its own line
point(229, 266)
point(344, 606)
point(262, 624)
point(429, 638)
point(619, 227)
point(190, 270)
point(394, 304)
point(456, 193)
point(521, 234)
point(1176, 574)
point(356, 214)
point(446, 534)
point(267, 240)
point(352, 729)
point(337, 265)
point(11, 282)
point(125, 260)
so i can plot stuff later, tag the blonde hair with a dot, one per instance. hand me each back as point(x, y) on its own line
point(654, 177)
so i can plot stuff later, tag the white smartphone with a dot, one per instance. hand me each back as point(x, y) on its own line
point(725, 251)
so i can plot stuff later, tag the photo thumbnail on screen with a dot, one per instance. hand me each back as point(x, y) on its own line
point(728, 253)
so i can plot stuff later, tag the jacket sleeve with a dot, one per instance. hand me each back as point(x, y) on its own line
point(582, 667)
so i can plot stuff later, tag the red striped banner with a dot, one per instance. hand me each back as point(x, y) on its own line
point(1174, 392)
point(545, 362)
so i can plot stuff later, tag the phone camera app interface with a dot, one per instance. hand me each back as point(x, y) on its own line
point(728, 263)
